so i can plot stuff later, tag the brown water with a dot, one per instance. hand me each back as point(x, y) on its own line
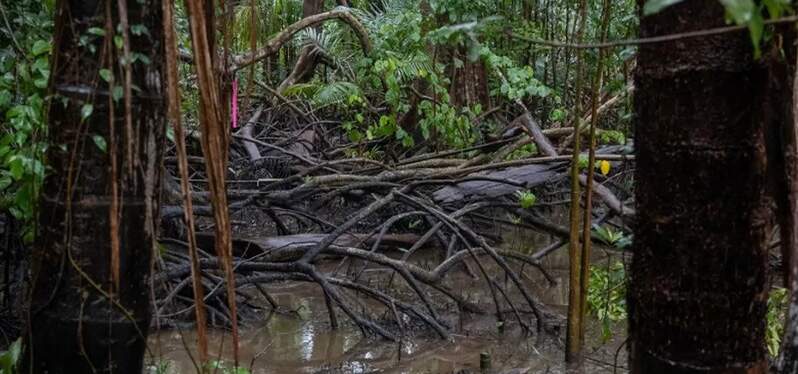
point(302, 341)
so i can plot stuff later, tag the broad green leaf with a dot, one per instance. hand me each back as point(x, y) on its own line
point(40, 47)
point(86, 111)
point(96, 31)
point(16, 167)
point(117, 93)
point(756, 27)
point(106, 75)
point(99, 141)
point(741, 11)
point(5, 181)
point(655, 6)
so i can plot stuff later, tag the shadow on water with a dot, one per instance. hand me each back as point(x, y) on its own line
point(300, 340)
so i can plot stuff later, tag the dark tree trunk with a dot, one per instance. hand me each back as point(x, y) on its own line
point(469, 85)
point(785, 174)
point(698, 289)
point(74, 327)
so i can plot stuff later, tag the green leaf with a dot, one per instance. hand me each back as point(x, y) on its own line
point(96, 31)
point(40, 83)
point(107, 75)
point(776, 7)
point(5, 181)
point(741, 11)
point(99, 141)
point(656, 6)
point(526, 199)
point(16, 167)
point(139, 29)
point(117, 93)
point(757, 28)
point(40, 47)
point(119, 42)
point(9, 358)
point(86, 111)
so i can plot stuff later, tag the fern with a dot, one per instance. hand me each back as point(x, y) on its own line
point(322, 42)
point(334, 94)
point(303, 90)
point(324, 95)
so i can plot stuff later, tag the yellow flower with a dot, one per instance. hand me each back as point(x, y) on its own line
point(604, 166)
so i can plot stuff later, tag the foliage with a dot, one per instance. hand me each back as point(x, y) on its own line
point(610, 236)
point(606, 295)
point(24, 75)
point(523, 152)
point(777, 313)
point(606, 300)
point(603, 166)
point(612, 136)
point(526, 199)
point(10, 358)
point(160, 367)
point(223, 368)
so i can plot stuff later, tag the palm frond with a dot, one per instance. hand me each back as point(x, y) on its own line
point(303, 90)
point(334, 93)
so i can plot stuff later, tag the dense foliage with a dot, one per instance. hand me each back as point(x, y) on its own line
point(25, 43)
point(398, 98)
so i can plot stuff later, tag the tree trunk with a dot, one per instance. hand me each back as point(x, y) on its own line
point(698, 288)
point(80, 321)
point(469, 85)
point(309, 58)
point(785, 174)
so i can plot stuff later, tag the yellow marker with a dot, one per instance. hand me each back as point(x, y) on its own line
point(604, 166)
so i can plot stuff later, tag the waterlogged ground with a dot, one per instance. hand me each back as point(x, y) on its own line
point(300, 339)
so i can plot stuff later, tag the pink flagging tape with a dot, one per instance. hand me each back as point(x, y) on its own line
point(234, 105)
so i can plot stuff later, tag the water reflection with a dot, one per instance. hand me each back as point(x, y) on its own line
point(301, 341)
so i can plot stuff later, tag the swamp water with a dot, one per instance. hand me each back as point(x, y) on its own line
point(301, 341)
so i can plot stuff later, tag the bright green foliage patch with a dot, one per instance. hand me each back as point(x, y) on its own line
point(24, 76)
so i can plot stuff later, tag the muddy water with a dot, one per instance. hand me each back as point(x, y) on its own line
point(299, 340)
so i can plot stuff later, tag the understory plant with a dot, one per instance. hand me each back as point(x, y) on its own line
point(25, 48)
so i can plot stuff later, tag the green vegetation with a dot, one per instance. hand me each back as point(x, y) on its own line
point(526, 199)
point(10, 358)
point(606, 296)
point(25, 48)
point(428, 96)
point(606, 301)
point(778, 302)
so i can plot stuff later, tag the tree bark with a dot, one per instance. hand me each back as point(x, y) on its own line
point(79, 322)
point(309, 58)
point(698, 288)
point(785, 173)
point(469, 86)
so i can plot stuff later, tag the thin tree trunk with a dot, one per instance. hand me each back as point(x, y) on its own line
point(78, 321)
point(698, 288)
point(785, 172)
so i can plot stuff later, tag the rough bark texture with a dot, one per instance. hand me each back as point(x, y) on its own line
point(74, 327)
point(469, 85)
point(786, 175)
point(698, 290)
